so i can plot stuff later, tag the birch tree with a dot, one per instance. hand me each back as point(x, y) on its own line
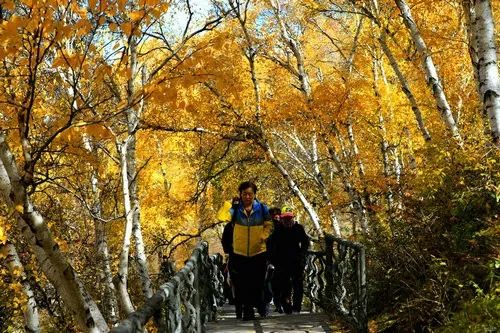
point(53, 263)
point(101, 242)
point(240, 10)
point(484, 50)
point(31, 317)
point(298, 70)
point(405, 87)
point(125, 300)
point(139, 29)
point(433, 79)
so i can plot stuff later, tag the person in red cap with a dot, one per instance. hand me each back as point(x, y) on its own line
point(288, 246)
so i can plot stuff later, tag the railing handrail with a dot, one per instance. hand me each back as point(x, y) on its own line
point(346, 242)
point(336, 280)
point(194, 270)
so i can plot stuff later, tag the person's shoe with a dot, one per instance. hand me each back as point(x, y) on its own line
point(287, 308)
point(278, 309)
point(248, 314)
point(248, 317)
point(264, 311)
point(239, 311)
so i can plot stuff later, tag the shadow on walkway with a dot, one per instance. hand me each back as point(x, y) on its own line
point(296, 323)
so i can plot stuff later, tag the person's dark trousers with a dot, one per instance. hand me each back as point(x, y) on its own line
point(275, 285)
point(248, 277)
point(283, 282)
point(297, 287)
point(231, 294)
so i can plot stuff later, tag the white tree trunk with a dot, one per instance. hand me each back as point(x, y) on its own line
point(304, 164)
point(324, 191)
point(357, 202)
point(384, 148)
point(296, 190)
point(133, 116)
point(398, 170)
point(406, 88)
point(489, 81)
point(470, 22)
point(355, 150)
point(31, 319)
point(123, 294)
point(262, 141)
point(384, 145)
point(433, 79)
point(109, 298)
point(52, 262)
point(296, 49)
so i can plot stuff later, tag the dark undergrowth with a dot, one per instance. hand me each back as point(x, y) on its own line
point(435, 266)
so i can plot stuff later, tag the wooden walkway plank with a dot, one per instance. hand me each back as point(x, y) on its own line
point(304, 322)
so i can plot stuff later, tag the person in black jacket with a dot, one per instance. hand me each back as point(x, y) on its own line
point(275, 213)
point(288, 248)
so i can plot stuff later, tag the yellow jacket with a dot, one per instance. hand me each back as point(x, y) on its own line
point(250, 231)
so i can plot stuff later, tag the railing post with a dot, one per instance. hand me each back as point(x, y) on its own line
point(329, 288)
point(185, 302)
point(343, 281)
point(197, 294)
point(362, 301)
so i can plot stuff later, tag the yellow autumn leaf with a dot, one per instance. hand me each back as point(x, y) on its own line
point(121, 4)
point(224, 214)
point(58, 62)
point(9, 5)
point(126, 27)
point(136, 15)
point(19, 208)
point(3, 236)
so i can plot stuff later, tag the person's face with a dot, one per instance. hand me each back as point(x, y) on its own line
point(275, 217)
point(287, 222)
point(247, 196)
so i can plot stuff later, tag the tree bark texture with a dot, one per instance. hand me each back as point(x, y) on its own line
point(433, 79)
point(52, 262)
point(31, 318)
point(489, 80)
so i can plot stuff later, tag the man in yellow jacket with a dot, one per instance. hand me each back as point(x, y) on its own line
point(245, 242)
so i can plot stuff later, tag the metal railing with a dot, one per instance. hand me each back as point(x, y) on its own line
point(187, 301)
point(335, 280)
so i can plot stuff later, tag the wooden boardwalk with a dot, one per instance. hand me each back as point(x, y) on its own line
point(304, 322)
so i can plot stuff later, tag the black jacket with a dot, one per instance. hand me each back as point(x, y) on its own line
point(227, 238)
point(288, 246)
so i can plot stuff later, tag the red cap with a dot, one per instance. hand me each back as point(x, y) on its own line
point(287, 215)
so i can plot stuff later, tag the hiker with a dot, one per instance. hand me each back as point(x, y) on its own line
point(227, 246)
point(275, 213)
point(288, 247)
point(245, 242)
